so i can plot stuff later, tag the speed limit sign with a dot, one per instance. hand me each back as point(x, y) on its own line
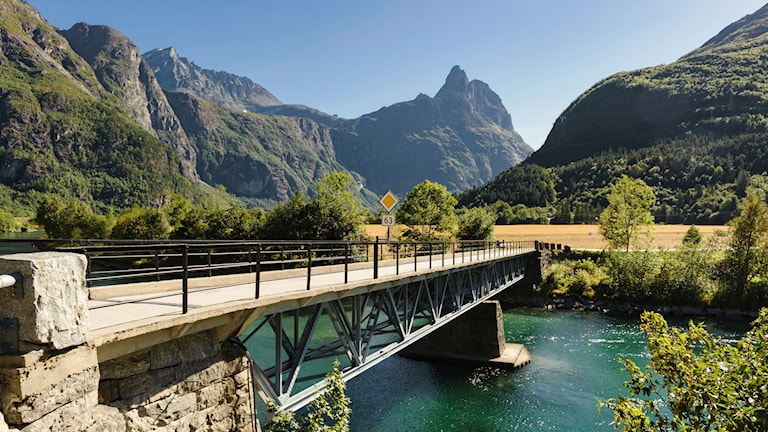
point(388, 219)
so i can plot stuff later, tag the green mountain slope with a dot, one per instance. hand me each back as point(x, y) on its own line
point(261, 159)
point(61, 132)
point(696, 130)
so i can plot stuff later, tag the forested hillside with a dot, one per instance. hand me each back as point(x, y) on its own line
point(62, 133)
point(695, 130)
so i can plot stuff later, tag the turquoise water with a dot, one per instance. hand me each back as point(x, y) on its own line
point(574, 363)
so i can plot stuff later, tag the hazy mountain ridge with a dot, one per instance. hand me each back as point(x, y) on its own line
point(459, 138)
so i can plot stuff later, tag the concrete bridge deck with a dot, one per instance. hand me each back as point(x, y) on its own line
point(129, 305)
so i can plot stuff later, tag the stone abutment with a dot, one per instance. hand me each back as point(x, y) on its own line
point(53, 377)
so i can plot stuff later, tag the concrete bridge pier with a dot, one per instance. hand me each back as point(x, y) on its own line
point(476, 337)
point(54, 377)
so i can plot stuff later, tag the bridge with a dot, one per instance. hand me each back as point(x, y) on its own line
point(295, 306)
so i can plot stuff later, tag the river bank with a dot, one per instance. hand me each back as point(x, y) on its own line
point(626, 309)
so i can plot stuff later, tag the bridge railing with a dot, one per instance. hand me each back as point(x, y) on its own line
point(113, 262)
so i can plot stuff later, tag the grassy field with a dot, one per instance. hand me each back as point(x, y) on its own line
point(575, 236)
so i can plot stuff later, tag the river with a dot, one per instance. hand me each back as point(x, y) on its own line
point(574, 363)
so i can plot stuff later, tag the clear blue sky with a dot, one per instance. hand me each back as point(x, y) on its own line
point(351, 57)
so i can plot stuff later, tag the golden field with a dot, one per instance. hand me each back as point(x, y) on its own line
point(575, 236)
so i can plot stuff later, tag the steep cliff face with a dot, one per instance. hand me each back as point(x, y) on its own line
point(253, 155)
point(124, 73)
point(460, 138)
point(178, 74)
point(62, 132)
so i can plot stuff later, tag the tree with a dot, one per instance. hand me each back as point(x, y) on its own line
point(476, 224)
point(7, 221)
point(328, 412)
point(74, 220)
point(429, 211)
point(746, 258)
point(629, 209)
point(695, 382)
point(692, 237)
point(141, 224)
point(336, 213)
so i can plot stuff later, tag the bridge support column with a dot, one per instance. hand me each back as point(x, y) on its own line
point(476, 337)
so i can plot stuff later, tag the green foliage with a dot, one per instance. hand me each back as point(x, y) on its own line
point(529, 185)
point(7, 221)
point(137, 223)
point(328, 412)
point(429, 212)
point(747, 257)
point(519, 214)
point(692, 237)
point(628, 210)
point(476, 224)
point(581, 278)
point(75, 220)
point(334, 214)
point(695, 382)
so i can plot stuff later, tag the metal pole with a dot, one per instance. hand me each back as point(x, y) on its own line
point(185, 279)
point(309, 264)
point(397, 258)
point(376, 258)
point(258, 270)
point(346, 262)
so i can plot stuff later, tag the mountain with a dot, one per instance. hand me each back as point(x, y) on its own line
point(261, 159)
point(84, 115)
point(178, 74)
point(460, 138)
point(123, 72)
point(256, 157)
point(717, 90)
point(63, 132)
point(695, 130)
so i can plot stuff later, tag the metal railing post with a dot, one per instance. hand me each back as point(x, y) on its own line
point(209, 263)
point(258, 270)
point(157, 266)
point(430, 255)
point(376, 258)
point(309, 264)
point(397, 258)
point(185, 279)
point(346, 262)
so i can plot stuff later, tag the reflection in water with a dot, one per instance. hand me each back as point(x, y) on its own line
point(17, 246)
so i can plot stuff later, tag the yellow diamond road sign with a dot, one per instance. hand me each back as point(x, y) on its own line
point(389, 201)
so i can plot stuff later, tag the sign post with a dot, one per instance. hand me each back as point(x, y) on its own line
point(388, 201)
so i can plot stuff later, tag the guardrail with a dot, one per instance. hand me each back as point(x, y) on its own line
point(113, 262)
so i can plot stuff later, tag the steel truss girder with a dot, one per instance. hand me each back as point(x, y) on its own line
point(398, 313)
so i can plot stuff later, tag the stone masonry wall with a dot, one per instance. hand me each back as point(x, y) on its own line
point(51, 378)
point(192, 383)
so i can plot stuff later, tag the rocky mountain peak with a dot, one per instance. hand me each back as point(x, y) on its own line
point(123, 72)
point(175, 73)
